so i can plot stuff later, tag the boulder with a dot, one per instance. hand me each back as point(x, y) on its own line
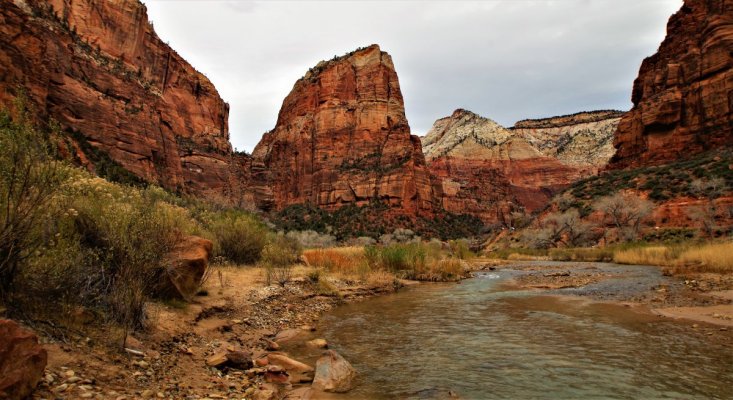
point(287, 336)
point(317, 343)
point(333, 373)
point(231, 359)
point(189, 260)
point(288, 363)
point(22, 361)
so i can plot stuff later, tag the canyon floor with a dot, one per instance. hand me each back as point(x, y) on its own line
point(240, 313)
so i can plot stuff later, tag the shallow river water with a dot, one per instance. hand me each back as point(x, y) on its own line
point(480, 342)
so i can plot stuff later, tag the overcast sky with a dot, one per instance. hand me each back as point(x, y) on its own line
point(504, 59)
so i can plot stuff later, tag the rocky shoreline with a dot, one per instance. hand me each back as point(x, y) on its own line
point(230, 343)
point(704, 302)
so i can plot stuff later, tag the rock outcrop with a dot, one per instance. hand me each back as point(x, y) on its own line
point(683, 97)
point(488, 171)
point(189, 261)
point(583, 140)
point(100, 70)
point(22, 361)
point(342, 138)
point(333, 373)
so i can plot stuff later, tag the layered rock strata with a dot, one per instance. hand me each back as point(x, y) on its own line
point(342, 138)
point(583, 140)
point(487, 170)
point(683, 96)
point(101, 71)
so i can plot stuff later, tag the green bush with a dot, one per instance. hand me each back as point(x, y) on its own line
point(239, 236)
point(29, 181)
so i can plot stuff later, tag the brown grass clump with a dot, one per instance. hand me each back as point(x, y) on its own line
point(341, 260)
point(709, 258)
point(656, 255)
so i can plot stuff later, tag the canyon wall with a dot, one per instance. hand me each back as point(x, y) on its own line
point(583, 140)
point(486, 170)
point(100, 70)
point(683, 96)
point(342, 138)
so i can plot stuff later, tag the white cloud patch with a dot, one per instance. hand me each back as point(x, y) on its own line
point(504, 59)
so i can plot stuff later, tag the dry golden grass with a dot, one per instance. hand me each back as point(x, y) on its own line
point(525, 257)
point(658, 255)
point(337, 260)
point(709, 258)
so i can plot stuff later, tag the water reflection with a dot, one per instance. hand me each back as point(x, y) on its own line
point(480, 342)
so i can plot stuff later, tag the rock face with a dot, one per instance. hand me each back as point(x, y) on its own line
point(486, 170)
point(188, 263)
point(100, 70)
point(683, 97)
point(583, 140)
point(22, 361)
point(342, 138)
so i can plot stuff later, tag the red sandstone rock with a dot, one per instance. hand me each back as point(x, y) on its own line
point(342, 138)
point(22, 361)
point(683, 97)
point(189, 261)
point(99, 68)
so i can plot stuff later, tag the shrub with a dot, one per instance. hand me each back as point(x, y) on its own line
point(278, 258)
point(313, 239)
point(240, 236)
point(29, 180)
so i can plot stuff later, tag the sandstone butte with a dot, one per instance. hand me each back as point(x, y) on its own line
point(101, 71)
point(489, 171)
point(683, 96)
point(342, 138)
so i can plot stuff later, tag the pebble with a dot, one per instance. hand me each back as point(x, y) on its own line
point(86, 395)
point(61, 388)
point(73, 379)
point(146, 394)
point(69, 373)
point(142, 364)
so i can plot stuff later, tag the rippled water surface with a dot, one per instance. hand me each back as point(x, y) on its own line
point(480, 342)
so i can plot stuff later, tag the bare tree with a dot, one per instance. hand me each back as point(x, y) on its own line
point(566, 228)
point(626, 212)
point(707, 214)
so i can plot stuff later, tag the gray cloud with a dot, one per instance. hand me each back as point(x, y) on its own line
point(506, 60)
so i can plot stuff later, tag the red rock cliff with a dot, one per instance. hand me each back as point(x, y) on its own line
point(342, 138)
point(683, 97)
point(99, 68)
point(486, 170)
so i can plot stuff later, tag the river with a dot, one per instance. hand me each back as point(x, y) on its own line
point(479, 341)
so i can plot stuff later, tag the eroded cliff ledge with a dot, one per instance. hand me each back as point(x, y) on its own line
point(683, 97)
point(100, 70)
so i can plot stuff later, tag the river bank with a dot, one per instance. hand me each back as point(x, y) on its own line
point(238, 312)
point(695, 298)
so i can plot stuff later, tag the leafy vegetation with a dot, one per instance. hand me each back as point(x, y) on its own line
point(373, 220)
point(662, 182)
